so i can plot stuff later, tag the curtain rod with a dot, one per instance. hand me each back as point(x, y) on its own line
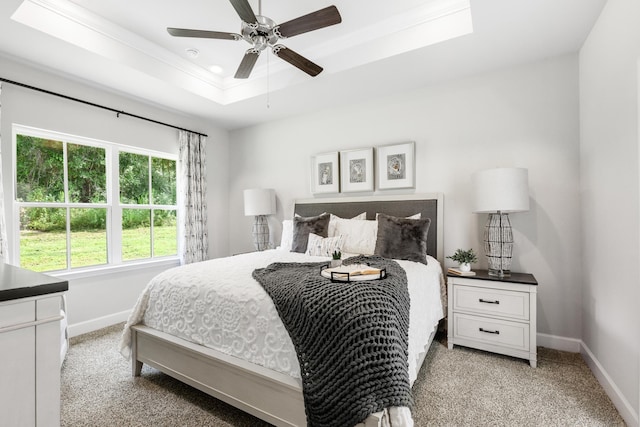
point(118, 112)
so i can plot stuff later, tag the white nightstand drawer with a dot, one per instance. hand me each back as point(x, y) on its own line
point(493, 302)
point(491, 331)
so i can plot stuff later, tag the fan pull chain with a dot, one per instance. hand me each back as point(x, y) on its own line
point(268, 75)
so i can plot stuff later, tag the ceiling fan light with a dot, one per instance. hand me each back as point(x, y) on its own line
point(260, 42)
point(262, 32)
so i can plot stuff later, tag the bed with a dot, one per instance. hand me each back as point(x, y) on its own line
point(237, 371)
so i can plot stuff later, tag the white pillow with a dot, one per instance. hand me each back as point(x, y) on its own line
point(286, 241)
point(324, 246)
point(287, 235)
point(415, 216)
point(332, 222)
point(361, 216)
point(359, 235)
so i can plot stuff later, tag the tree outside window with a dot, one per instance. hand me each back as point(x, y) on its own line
point(65, 203)
point(148, 196)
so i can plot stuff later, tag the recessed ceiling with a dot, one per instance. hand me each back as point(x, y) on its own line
point(379, 47)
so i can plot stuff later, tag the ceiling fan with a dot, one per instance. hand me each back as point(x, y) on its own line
point(262, 32)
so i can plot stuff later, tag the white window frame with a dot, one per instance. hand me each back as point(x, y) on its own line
point(113, 205)
point(118, 207)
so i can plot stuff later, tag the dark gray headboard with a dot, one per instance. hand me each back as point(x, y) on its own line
point(429, 205)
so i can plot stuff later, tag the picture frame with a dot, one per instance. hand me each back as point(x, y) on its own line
point(396, 166)
point(325, 173)
point(356, 170)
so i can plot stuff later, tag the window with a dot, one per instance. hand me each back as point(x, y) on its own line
point(86, 203)
point(148, 199)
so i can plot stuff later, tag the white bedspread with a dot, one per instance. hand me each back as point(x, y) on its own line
point(218, 304)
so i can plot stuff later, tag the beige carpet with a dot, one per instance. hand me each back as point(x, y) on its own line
point(459, 387)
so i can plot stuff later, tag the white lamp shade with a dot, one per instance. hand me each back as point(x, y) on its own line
point(259, 201)
point(502, 189)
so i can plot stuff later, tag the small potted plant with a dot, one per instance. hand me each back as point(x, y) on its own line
point(337, 259)
point(464, 259)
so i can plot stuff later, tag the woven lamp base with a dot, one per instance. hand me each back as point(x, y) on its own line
point(498, 244)
point(260, 232)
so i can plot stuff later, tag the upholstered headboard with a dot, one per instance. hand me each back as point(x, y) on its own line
point(429, 205)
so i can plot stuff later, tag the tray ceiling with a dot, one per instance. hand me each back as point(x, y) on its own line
point(380, 47)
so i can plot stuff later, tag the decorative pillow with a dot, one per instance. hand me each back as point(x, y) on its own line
point(334, 218)
point(287, 235)
point(286, 240)
point(302, 226)
point(359, 235)
point(324, 246)
point(414, 216)
point(402, 238)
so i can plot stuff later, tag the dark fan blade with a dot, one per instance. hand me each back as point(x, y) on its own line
point(183, 32)
point(243, 8)
point(249, 60)
point(297, 60)
point(313, 21)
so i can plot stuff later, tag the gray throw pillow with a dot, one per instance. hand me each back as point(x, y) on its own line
point(402, 238)
point(302, 226)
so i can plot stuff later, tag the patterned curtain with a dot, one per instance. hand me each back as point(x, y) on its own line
point(4, 250)
point(194, 244)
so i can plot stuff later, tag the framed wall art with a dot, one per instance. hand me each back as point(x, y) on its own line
point(325, 174)
point(396, 166)
point(356, 170)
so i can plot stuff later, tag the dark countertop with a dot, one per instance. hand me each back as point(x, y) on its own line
point(16, 283)
point(523, 278)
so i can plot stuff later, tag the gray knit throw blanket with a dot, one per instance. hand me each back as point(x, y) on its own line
point(351, 338)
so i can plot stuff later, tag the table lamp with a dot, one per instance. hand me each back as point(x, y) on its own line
point(260, 202)
point(499, 192)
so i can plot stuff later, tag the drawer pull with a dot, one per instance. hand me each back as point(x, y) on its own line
point(486, 301)
point(489, 332)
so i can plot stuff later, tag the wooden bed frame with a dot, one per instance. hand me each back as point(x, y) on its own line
point(271, 396)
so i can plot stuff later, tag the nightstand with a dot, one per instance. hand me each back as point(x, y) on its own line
point(494, 314)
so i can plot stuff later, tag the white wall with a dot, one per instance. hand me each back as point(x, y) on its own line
point(524, 117)
point(610, 200)
point(100, 300)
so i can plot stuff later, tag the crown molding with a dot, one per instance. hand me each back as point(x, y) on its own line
point(429, 23)
point(76, 25)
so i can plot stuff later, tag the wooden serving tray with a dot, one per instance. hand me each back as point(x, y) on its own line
point(352, 273)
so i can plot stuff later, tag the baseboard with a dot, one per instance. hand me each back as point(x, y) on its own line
point(558, 343)
point(575, 345)
point(99, 323)
point(620, 402)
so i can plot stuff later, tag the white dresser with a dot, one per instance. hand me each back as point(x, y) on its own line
point(493, 314)
point(29, 347)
